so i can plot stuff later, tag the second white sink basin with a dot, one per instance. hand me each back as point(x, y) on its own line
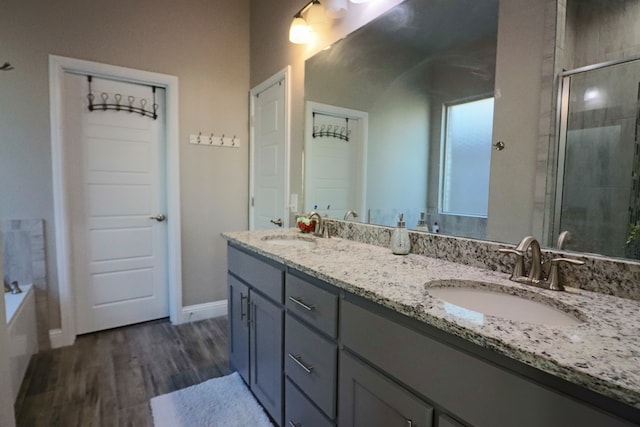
point(494, 300)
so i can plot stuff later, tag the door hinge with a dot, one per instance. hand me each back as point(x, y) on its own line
point(252, 202)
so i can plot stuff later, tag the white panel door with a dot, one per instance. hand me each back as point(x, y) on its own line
point(269, 198)
point(334, 167)
point(117, 187)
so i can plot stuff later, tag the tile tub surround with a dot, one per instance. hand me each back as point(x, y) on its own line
point(611, 276)
point(602, 354)
point(25, 261)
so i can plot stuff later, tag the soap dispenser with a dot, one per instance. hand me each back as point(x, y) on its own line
point(422, 223)
point(400, 243)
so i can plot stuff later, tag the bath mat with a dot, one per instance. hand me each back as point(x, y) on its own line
point(224, 401)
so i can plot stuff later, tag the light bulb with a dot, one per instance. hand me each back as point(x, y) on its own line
point(299, 31)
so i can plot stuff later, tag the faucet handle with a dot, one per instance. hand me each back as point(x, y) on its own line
point(518, 267)
point(554, 282)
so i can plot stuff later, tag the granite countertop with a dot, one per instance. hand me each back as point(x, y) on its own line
point(602, 353)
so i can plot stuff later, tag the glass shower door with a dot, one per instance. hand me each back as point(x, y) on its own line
point(598, 194)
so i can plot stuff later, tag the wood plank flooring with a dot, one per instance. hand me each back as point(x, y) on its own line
point(107, 378)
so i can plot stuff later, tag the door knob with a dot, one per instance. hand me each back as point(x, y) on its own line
point(158, 218)
point(277, 222)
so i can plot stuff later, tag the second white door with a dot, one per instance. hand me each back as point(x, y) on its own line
point(269, 176)
point(116, 180)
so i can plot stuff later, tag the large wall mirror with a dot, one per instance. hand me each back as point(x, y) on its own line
point(399, 118)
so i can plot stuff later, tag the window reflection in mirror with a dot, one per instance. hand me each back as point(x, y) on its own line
point(466, 158)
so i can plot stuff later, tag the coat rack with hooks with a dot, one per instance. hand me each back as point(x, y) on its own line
point(212, 140)
point(331, 131)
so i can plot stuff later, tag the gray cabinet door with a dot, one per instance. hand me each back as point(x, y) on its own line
point(239, 327)
point(368, 399)
point(266, 354)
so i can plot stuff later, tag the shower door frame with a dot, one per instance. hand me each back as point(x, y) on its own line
point(564, 86)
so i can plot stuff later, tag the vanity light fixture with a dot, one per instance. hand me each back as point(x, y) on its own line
point(300, 30)
point(305, 30)
point(316, 19)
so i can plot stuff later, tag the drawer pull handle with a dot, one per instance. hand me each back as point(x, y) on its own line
point(409, 423)
point(296, 358)
point(244, 304)
point(292, 424)
point(307, 307)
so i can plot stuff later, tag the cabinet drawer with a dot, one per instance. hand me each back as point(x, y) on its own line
point(299, 412)
point(264, 277)
point(310, 362)
point(313, 304)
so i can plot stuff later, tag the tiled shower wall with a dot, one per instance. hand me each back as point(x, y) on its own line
point(25, 262)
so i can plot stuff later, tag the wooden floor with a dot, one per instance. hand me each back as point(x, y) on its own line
point(107, 378)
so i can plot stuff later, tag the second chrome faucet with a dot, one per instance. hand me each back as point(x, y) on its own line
point(534, 277)
point(321, 229)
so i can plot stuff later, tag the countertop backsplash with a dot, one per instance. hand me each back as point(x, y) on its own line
point(610, 276)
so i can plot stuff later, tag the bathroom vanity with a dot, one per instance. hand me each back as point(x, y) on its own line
point(335, 332)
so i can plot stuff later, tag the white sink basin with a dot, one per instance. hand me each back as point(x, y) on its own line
point(290, 240)
point(472, 300)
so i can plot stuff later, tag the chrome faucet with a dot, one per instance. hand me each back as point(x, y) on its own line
point(563, 239)
point(520, 251)
point(321, 229)
point(354, 214)
point(535, 271)
point(552, 282)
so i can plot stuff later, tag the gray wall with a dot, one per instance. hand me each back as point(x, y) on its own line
point(517, 112)
point(204, 43)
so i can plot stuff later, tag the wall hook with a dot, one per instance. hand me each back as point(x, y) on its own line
point(6, 67)
point(499, 146)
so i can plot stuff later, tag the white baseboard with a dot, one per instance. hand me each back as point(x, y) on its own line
point(56, 338)
point(207, 310)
